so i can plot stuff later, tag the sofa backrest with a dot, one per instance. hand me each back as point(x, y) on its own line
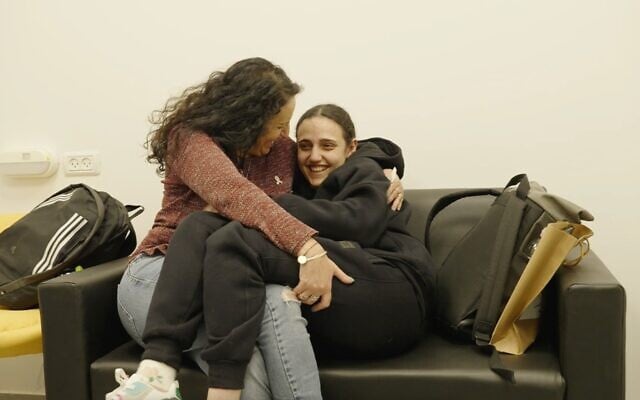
point(421, 202)
point(450, 225)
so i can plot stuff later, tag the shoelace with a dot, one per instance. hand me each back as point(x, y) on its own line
point(121, 376)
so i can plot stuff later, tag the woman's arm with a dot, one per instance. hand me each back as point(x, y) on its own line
point(207, 170)
point(204, 167)
point(350, 205)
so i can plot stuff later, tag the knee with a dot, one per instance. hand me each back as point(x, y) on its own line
point(231, 236)
point(282, 304)
point(201, 222)
point(194, 220)
point(278, 294)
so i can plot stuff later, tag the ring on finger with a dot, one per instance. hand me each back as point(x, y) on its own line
point(313, 298)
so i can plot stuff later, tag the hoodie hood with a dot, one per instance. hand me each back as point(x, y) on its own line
point(384, 152)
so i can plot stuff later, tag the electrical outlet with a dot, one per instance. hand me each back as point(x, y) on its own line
point(81, 163)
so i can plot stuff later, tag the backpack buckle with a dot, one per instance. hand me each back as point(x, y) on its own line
point(482, 333)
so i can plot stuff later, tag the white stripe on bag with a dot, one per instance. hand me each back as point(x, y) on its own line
point(64, 242)
point(56, 199)
point(55, 239)
point(54, 243)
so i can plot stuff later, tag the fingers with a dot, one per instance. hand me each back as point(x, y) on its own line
point(324, 303)
point(397, 203)
point(315, 282)
point(395, 195)
point(310, 299)
point(306, 289)
point(301, 291)
point(393, 191)
point(342, 276)
point(306, 294)
point(391, 174)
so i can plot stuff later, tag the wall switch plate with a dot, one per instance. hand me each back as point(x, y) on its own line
point(81, 163)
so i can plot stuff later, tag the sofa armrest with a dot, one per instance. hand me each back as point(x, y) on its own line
point(77, 310)
point(591, 335)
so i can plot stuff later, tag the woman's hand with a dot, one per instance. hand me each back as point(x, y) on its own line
point(395, 192)
point(210, 208)
point(316, 278)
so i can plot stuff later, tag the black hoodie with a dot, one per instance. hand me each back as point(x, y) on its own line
point(351, 204)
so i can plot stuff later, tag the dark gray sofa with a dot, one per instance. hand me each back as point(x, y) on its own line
point(579, 355)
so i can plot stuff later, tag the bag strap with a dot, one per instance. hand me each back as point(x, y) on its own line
point(134, 210)
point(447, 200)
point(131, 240)
point(54, 271)
point(502, 253)
point(524, 187)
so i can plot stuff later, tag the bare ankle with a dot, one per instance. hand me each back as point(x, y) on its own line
point(223, 394)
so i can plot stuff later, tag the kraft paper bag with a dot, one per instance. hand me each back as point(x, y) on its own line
point(518, 325)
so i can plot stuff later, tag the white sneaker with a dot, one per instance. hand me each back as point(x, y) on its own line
point(139, 387)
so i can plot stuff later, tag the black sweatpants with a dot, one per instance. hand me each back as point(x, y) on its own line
point(377, 315)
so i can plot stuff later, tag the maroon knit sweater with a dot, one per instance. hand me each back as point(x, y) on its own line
point(198, 173)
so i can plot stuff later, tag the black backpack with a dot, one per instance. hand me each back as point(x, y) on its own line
point(481, 270)
point(75, 227)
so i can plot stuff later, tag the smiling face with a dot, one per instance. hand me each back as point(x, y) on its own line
point(277, 126)
point(321, 148)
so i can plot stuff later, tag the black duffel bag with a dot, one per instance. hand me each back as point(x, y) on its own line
point(75, 227)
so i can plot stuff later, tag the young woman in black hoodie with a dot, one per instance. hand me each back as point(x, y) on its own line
point(341, 192)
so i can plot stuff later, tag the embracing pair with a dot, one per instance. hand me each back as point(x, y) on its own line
point(264, 245)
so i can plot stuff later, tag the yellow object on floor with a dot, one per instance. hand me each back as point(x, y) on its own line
point(20, 331)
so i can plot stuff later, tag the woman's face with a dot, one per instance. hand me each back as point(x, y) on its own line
point(321, 148)
point(277, 126)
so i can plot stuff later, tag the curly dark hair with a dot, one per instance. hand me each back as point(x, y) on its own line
point(232, 107)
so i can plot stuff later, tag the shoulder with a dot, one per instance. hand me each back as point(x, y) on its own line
point(355, 171)
point(184, 137)
point(190, 150)
point(363, 166)
point(187, 142)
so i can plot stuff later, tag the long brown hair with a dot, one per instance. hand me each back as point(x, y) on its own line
point(232, 107)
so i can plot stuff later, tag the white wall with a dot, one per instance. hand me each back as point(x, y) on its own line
point(474, 92)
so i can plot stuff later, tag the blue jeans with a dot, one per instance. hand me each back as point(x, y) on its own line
point(286, 348)
point(283, 366)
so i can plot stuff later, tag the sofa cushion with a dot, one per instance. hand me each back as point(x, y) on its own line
point(20, 331)
point(436, 369)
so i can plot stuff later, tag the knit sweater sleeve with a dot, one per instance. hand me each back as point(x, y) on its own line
point(202, 165)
